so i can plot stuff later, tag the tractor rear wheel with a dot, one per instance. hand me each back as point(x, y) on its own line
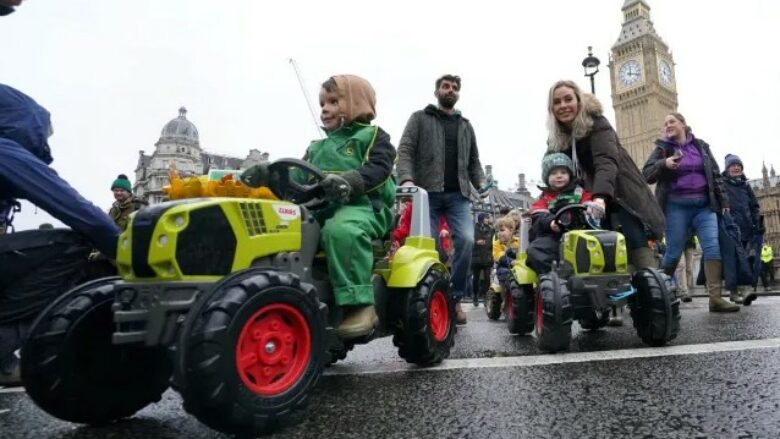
point(73, 371)
point(427, 329)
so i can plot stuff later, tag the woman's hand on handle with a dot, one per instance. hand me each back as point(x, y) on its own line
point(597, 208)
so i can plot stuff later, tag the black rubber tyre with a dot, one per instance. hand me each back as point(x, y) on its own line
point(71, 369)
point(554, 314)
point(592, 323)
point(228, 376)
point(520, 308)
point(427, 330)
point(493, 304)
point(655, 309)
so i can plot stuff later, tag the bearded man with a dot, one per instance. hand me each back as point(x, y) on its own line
point(438, 152)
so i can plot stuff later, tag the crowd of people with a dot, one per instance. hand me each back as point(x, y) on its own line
point(584, 163)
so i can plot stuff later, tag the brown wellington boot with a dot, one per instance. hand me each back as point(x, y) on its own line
point(359, 321)
point(712, 271)
point(642, 258)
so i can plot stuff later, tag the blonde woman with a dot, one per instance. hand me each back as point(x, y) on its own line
point(577, 128)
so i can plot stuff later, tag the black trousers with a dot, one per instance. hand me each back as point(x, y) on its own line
point(767, 274)
point(480, 279)
point(542, 252)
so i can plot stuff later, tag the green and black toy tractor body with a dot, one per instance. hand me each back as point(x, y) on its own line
point(228, 301)
point(593, 276)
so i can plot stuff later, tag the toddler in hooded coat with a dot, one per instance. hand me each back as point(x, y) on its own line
point(358, 159)
point(562, 189)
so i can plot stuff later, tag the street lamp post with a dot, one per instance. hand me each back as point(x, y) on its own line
point(591, 67)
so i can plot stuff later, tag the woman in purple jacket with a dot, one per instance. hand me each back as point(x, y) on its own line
point(689, 189)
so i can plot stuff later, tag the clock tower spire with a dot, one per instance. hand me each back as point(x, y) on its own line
point(644, 89)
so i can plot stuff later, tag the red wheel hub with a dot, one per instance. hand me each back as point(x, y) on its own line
point(273, 349)
point(539, 312)
point(510, 309)
point(439, 316)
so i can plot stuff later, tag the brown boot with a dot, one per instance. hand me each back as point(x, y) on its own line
point(460, 316)
point(358, 321)
point(712, 271)
point(642, 258)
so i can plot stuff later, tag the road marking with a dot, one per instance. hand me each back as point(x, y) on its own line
point(11, 389)
point(548, 359)
point(4, 411)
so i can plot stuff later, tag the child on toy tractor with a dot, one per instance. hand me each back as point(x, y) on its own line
point(357, 158)
point(562, 189)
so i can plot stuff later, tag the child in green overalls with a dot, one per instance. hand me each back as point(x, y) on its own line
point(357, 158)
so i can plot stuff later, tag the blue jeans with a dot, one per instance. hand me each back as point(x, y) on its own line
point(682, 215)
point(457, 210)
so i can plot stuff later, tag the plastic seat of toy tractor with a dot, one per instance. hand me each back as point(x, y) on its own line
point(36, 266)
point(379, 247)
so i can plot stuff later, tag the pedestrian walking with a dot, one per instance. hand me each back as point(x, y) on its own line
point(689, 187)
point(746, 214)
point(482, 256)
point(438, 152)
point(767, 266)
point(577, 128)
point(684, 273)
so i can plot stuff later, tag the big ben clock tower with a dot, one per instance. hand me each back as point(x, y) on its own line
point(644, 89)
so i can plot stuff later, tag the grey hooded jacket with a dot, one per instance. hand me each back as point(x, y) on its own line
point(421, 153)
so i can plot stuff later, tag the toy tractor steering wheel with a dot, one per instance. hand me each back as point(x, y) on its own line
point(573, 217)
point(297, 181)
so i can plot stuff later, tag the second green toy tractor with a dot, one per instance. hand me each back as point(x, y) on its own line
point(228, 301)
point(592, 276)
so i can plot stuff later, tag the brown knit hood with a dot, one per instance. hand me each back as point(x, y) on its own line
point(357, 98)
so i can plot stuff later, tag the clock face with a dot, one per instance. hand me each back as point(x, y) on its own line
point(630, 73)
point(665, 73)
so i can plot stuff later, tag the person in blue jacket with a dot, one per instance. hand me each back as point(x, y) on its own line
point(25, 128)
point(25, 156)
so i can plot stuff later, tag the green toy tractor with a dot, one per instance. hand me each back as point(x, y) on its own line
point(592, 276)
point(228, 301)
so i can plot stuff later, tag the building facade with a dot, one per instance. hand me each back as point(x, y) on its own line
point(767, 190)
point(179, 147)
point(642, 75)
point(498, 200)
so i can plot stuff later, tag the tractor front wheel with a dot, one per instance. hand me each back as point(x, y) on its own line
point(553, 314)
point(251, 350)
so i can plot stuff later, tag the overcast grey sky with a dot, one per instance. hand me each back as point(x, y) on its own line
point(112, 73)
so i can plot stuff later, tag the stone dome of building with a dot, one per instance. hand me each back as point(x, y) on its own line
point(180, 128)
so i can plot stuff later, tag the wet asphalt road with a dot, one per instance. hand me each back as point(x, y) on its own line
point(721, 394)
